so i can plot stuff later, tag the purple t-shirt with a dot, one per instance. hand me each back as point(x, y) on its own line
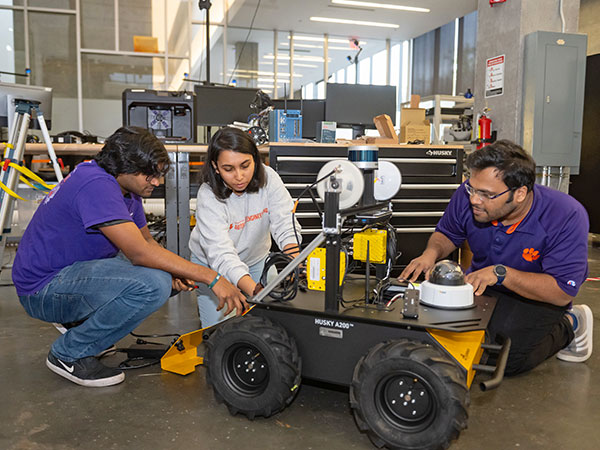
point(551, 239)
point(62, 231)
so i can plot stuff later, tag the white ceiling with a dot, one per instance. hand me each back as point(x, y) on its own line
point(293, 15)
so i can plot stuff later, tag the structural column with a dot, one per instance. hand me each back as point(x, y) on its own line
point(501, 30)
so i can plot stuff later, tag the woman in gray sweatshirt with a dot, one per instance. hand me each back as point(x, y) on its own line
point(241, 204)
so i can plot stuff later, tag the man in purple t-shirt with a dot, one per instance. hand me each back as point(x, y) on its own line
point(529, 245)
point(88, 256)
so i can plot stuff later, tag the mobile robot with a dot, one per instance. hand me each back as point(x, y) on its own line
point(408, 356)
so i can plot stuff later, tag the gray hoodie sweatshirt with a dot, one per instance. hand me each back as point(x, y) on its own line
point(233, 234)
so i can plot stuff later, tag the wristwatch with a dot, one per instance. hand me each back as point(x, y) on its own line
point(500, 272)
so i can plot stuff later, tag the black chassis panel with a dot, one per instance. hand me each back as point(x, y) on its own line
point(331, 347)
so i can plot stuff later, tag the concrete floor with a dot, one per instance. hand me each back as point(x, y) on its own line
point(556, 406)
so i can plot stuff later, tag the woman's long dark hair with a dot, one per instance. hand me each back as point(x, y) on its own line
point(133, 150)
point(234, 139)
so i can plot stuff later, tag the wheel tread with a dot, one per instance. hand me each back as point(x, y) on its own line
point(284, 352)
point(426, 355)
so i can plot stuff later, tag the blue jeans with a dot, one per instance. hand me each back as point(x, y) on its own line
point(111, 295)
point(208, 302)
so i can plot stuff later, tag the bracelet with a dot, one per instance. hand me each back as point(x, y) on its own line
point(213, 282)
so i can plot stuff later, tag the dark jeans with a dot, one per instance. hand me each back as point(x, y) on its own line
point(537, 330)
point(112, 295)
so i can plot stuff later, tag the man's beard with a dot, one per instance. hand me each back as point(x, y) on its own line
point(505, 210)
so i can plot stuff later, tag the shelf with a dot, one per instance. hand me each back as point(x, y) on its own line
point(439, 114)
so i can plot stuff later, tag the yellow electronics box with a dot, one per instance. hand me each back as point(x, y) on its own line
point(315, 269)
point(377, 242)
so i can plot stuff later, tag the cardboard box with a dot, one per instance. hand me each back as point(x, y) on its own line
point(413, 125)
point(385, 126)
point(146, 44)
point(387, 134)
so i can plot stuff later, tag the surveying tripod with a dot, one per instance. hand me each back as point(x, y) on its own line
point(12, 164)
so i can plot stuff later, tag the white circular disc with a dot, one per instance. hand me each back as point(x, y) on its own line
point(388, 180)
point(351, 181)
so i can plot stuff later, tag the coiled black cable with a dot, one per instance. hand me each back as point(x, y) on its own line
point(288, 288)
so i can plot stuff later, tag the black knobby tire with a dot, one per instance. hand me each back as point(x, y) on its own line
point(253, 366)
point(408, 395)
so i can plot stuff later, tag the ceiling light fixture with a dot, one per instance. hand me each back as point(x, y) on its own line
point(297, 58)
point(307, 38)
point(338, 48)
point(258, 72)
point(280, 81)
point(355, 22)
point(283, 63)
point(331, 47)
point(379, 5)
point(287, 44)
point(322, 39)
point(310, 66)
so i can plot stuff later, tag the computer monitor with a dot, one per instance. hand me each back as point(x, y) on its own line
point(355, 105)
point(222, 105)
point(10, 92)
point(313, 111)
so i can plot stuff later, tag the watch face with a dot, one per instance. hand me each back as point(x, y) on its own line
point(500, 270)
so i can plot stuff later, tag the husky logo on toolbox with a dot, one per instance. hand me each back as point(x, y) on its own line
point(438, 152)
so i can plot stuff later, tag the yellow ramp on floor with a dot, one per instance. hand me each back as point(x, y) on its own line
point(182, 358)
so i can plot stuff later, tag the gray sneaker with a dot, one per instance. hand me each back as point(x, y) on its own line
point(580, 348)
point(85, 372)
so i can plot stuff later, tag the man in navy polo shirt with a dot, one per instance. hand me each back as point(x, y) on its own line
point(68, 267)
point(529, 245)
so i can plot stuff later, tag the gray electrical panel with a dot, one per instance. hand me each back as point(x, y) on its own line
point(553, 88)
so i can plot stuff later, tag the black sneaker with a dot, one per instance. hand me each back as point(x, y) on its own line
point(85, 372)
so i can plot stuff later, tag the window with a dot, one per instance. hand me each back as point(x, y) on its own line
point(309, 91)
point(321, 90)
point(12, 45)
point(364, 71)
point(308, 58)
point(351, 74)
point(379, 69)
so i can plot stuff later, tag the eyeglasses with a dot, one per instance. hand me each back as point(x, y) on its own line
point(150, 178)
point(484, 196)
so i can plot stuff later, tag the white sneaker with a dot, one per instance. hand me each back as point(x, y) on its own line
point(580, 348)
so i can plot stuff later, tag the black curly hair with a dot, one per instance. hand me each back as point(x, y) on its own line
point(516, 166)
point(133, 150)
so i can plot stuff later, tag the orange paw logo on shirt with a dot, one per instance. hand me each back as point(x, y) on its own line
point(530, 254)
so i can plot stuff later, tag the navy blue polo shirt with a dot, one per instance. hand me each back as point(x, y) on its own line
point(551, 239)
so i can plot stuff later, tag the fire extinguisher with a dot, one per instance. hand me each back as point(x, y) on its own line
point(486, 135)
